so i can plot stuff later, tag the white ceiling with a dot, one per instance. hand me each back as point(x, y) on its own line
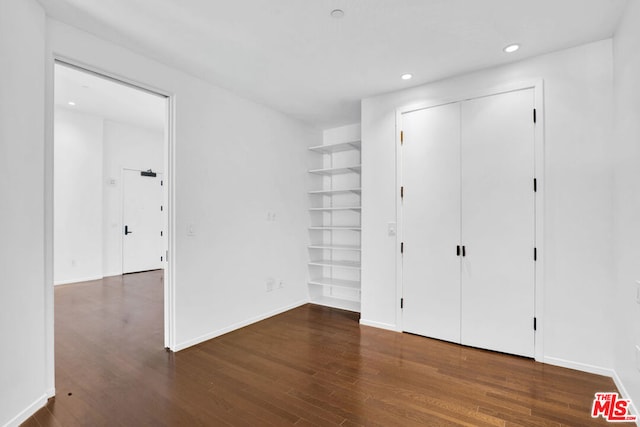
point(292, 56)
point(106, 98)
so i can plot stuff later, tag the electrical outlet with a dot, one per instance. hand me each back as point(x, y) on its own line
point(270, 284)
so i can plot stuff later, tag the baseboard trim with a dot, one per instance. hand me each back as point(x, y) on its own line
point(78, 280)
point(380, 325)
point(27, 412)
point(625, 394)
point(584, 367)
point(113, 274)
point(598, 370)
point(51, 393)
point(238, 325)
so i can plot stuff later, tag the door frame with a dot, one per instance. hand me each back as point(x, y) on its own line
point(539, 131)
point(168, 193)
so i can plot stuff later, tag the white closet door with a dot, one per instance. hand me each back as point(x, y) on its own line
point(498, 222)
point(431, 220)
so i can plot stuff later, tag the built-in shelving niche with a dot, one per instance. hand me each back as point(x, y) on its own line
point(334, 230)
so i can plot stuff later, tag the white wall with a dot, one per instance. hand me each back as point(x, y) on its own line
point(77, 197)
point(234, 161)
point(23, 384)
point(131, 147)
point(577, 195)
point(625, 319)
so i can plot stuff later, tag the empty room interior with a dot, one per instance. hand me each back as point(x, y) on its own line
point(338, 212)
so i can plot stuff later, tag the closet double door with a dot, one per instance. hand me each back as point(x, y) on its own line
point(468, 222)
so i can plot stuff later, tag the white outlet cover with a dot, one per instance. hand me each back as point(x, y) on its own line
point(270, 284)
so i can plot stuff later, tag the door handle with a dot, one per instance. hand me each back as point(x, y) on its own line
point(464, 251)
point(126, 230)
point(458, 250)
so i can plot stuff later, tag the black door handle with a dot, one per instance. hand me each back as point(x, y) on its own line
point(126, 230)
point(458, 250)
point(464, 251)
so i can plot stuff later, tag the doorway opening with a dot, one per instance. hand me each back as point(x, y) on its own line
point(111, 204)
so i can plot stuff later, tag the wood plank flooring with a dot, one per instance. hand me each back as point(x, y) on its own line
point(309, 366)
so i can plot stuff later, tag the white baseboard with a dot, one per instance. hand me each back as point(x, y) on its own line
point(625, 394)
point(112, 274)
point(238, 325)
point(598, 370)
point(77, 280)
point(27, 412)
point(51, 393)
point(379, 325)
point(584, 367)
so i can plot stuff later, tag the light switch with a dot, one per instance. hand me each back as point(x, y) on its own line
point(391, 228)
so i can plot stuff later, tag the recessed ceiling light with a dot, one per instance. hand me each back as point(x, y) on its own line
point(71, 103)
point(337, 13)
point(512, 48)
point(406, 76)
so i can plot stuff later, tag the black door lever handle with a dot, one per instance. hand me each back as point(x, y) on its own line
point(126, 230)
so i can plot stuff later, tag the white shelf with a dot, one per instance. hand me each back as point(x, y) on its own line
point(336, 227)
point(337, 171)
point(335, 283)
point(333, 263)
point(341, 208)
point(333, 192)
point(340, 303)
point(335, 247)
point(336, 148)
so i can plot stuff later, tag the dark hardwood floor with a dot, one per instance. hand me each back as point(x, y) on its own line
point(309, 366)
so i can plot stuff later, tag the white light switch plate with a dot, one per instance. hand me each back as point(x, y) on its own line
point(391, 228)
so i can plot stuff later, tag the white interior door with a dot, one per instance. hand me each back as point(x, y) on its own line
point(498, 221)
point(142, 239)
point(431, 222)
